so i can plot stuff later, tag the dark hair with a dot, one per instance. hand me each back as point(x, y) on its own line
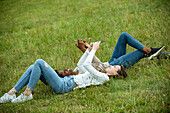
point(122, 71)
point(62, 76)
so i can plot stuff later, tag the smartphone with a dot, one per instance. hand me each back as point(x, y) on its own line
point(102, 41)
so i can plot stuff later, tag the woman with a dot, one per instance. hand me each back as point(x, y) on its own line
point(90, 76)
point(119, 56)
point(41, 70)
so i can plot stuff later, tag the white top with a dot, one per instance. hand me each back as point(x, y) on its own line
point(90, 75)
point(96, 63)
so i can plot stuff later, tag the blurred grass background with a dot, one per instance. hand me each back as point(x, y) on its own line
point(46, 29)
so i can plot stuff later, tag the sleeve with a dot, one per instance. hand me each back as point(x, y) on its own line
point(80, 66)
point(96, 74)
point(81, 61)
point(96, 60)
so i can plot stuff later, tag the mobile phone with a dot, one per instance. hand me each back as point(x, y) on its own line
point(102, 41)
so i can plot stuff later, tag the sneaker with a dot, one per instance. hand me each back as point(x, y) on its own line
point(155, 52)
point(7, 98)
point(164, 55)
point(22, 98)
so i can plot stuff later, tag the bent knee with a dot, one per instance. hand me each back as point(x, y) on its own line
point(124, 34)
point(31, 66)
point(39, 61)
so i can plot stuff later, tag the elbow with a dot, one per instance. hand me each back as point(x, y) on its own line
point(79, 65)
point(85, 65)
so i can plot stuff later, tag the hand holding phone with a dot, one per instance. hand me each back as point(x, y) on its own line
point(102, 41)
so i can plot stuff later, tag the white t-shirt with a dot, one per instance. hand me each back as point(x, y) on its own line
point(90, 75)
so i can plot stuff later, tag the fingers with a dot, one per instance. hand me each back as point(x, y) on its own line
point(97, 42)
point(76, 45)
point(78, 41)
point(94, 43)
point(91, 44)
point(84, 41)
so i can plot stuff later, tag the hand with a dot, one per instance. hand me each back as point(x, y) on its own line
point(96, 45)
point(82, 45)
point(90, 47)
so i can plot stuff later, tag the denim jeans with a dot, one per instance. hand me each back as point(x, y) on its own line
point(42, 71)
point(119, 56)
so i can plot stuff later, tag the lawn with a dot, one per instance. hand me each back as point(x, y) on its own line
point(46, 29)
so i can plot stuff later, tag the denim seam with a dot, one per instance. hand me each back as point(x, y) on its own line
point(139, 43)
point(119, 48)
point(21, 81)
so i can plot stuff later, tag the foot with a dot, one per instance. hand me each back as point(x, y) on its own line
point(164, 55)
point(22, 98)
point(7, 98)
point(155, 52)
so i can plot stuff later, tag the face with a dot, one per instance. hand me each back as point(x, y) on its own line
point(66, 72)
point(112, 70)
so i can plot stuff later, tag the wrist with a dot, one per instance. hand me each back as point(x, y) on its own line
point(95, 49)
point(83, 50)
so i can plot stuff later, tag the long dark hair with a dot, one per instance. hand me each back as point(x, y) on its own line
point(58, 74)
point(122, 72)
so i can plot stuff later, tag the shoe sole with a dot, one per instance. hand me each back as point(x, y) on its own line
point(13, 101)
point(156, 54)
point(20, 100)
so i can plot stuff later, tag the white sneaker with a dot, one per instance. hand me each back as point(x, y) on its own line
point(7, 98)
point(22, 98)
point(156, 53)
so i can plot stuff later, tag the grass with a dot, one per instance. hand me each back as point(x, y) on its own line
point(46, 29)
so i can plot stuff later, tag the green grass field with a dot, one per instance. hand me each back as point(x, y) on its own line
point(46, 29)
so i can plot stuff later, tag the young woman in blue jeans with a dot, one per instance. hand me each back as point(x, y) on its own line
point(90, 76)
point(119, 56)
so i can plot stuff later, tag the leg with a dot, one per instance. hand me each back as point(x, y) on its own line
point(57, 84)
point(129, 59)
point(23, 81)
point(49, 75)
point(7, 97)
point(120, 48)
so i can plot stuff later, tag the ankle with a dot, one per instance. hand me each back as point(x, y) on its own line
point(146, 50)
point(28, 91)
point(27, 94)
point(12, 91)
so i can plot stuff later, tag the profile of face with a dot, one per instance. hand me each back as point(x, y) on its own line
point(112, 70)
point(66, 72)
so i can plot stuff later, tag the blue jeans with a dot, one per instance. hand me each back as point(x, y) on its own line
point(42, 71)
point(119, 56)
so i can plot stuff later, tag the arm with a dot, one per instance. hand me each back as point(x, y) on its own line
point(80, 67)
point(82, 45)
point(87, 65)
point(81, 61)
